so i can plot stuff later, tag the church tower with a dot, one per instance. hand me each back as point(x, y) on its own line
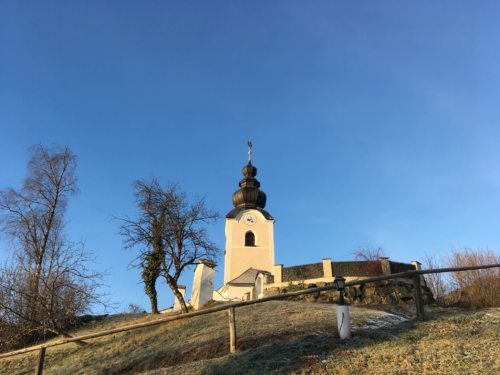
point(249, 228)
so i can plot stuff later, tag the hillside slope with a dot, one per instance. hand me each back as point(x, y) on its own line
point(281, 337)
point(179, 342)
point(450, 342)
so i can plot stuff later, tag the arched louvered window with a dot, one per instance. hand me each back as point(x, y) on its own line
point(249, 239)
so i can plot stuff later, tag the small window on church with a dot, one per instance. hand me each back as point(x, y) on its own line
point(249, 239)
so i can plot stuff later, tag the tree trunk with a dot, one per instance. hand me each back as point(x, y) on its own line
point(150, 274)
point(173, 286)
point(154, 302)
point(34, 293)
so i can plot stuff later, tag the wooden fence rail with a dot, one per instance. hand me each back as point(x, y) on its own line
point(230, 308)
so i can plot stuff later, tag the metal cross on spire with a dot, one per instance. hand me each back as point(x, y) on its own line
point(249, 150)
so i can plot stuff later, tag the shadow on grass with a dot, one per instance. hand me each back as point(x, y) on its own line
point(268, 354)
point(206, 350)
point(287, 356)
point(281, 352)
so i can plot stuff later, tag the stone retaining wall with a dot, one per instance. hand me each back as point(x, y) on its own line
point(393, 292)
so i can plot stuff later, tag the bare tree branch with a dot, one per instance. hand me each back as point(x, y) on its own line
point(48, 283)
point(170, 233)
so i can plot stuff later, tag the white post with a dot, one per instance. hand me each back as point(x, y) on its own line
point(386, 266)
point(203, 284)
point(278, 273)
point(343, 322)
point(327, 268)
point(418, 267)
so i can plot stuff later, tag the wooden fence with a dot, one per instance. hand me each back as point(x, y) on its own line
point(231, 307)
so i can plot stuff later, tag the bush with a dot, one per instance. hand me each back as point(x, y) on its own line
point(438, 283)
point(371, 258)
point(133, 308)
point(478, 288)
point(472, 289)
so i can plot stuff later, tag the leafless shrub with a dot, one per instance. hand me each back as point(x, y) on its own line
point(133, 308)
point(478, 288)
point(371, 256)
point(438, 283)
point(472, 289)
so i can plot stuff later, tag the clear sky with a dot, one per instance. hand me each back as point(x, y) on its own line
point(374, 123)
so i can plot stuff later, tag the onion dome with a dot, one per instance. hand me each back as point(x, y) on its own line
point(249, 196)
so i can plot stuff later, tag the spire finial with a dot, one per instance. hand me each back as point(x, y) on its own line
point(249, 150)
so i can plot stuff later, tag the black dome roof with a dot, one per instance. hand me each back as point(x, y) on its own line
point(249, 195)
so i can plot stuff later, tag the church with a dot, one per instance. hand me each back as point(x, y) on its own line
point(249, 251)
point(250, 271)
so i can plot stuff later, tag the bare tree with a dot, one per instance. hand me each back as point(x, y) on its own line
point(371, 256)
point(147, 231)
point(34, 215)
point(170, 232)
point(47, 282)
point(67, 289)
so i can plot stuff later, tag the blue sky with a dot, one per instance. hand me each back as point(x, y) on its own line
point(374, 123)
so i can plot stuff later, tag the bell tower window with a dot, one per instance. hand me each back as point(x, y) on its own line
point(249, 239)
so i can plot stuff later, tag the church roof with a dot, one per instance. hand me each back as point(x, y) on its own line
point(248, 277)
point(249, 195)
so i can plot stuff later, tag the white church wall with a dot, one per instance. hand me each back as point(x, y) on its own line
point(221, 294)
point(259, 286)
point(203, 285)
point(277, 272)
point(239, 257)
point(239, 293)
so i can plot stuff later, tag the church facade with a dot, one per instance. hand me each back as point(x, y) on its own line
point(250, 270)
point(249, 251)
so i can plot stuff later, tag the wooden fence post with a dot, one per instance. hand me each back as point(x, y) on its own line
point(41, 359)
point(232, 330)
point(417, 296)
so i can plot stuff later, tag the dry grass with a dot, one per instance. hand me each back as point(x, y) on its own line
point(452, 341)
point(175, 343)
point(285, 337)
point(448, 344)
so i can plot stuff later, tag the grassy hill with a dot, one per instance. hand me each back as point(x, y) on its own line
point(283, 337)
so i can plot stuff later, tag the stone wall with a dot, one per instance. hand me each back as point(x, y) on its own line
point(329, 269)
point(397, 267)
point(393, 292)
point(357, 268)
point(303, 272)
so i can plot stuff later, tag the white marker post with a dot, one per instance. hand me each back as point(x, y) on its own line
point(343, 316)
point(343, 322)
